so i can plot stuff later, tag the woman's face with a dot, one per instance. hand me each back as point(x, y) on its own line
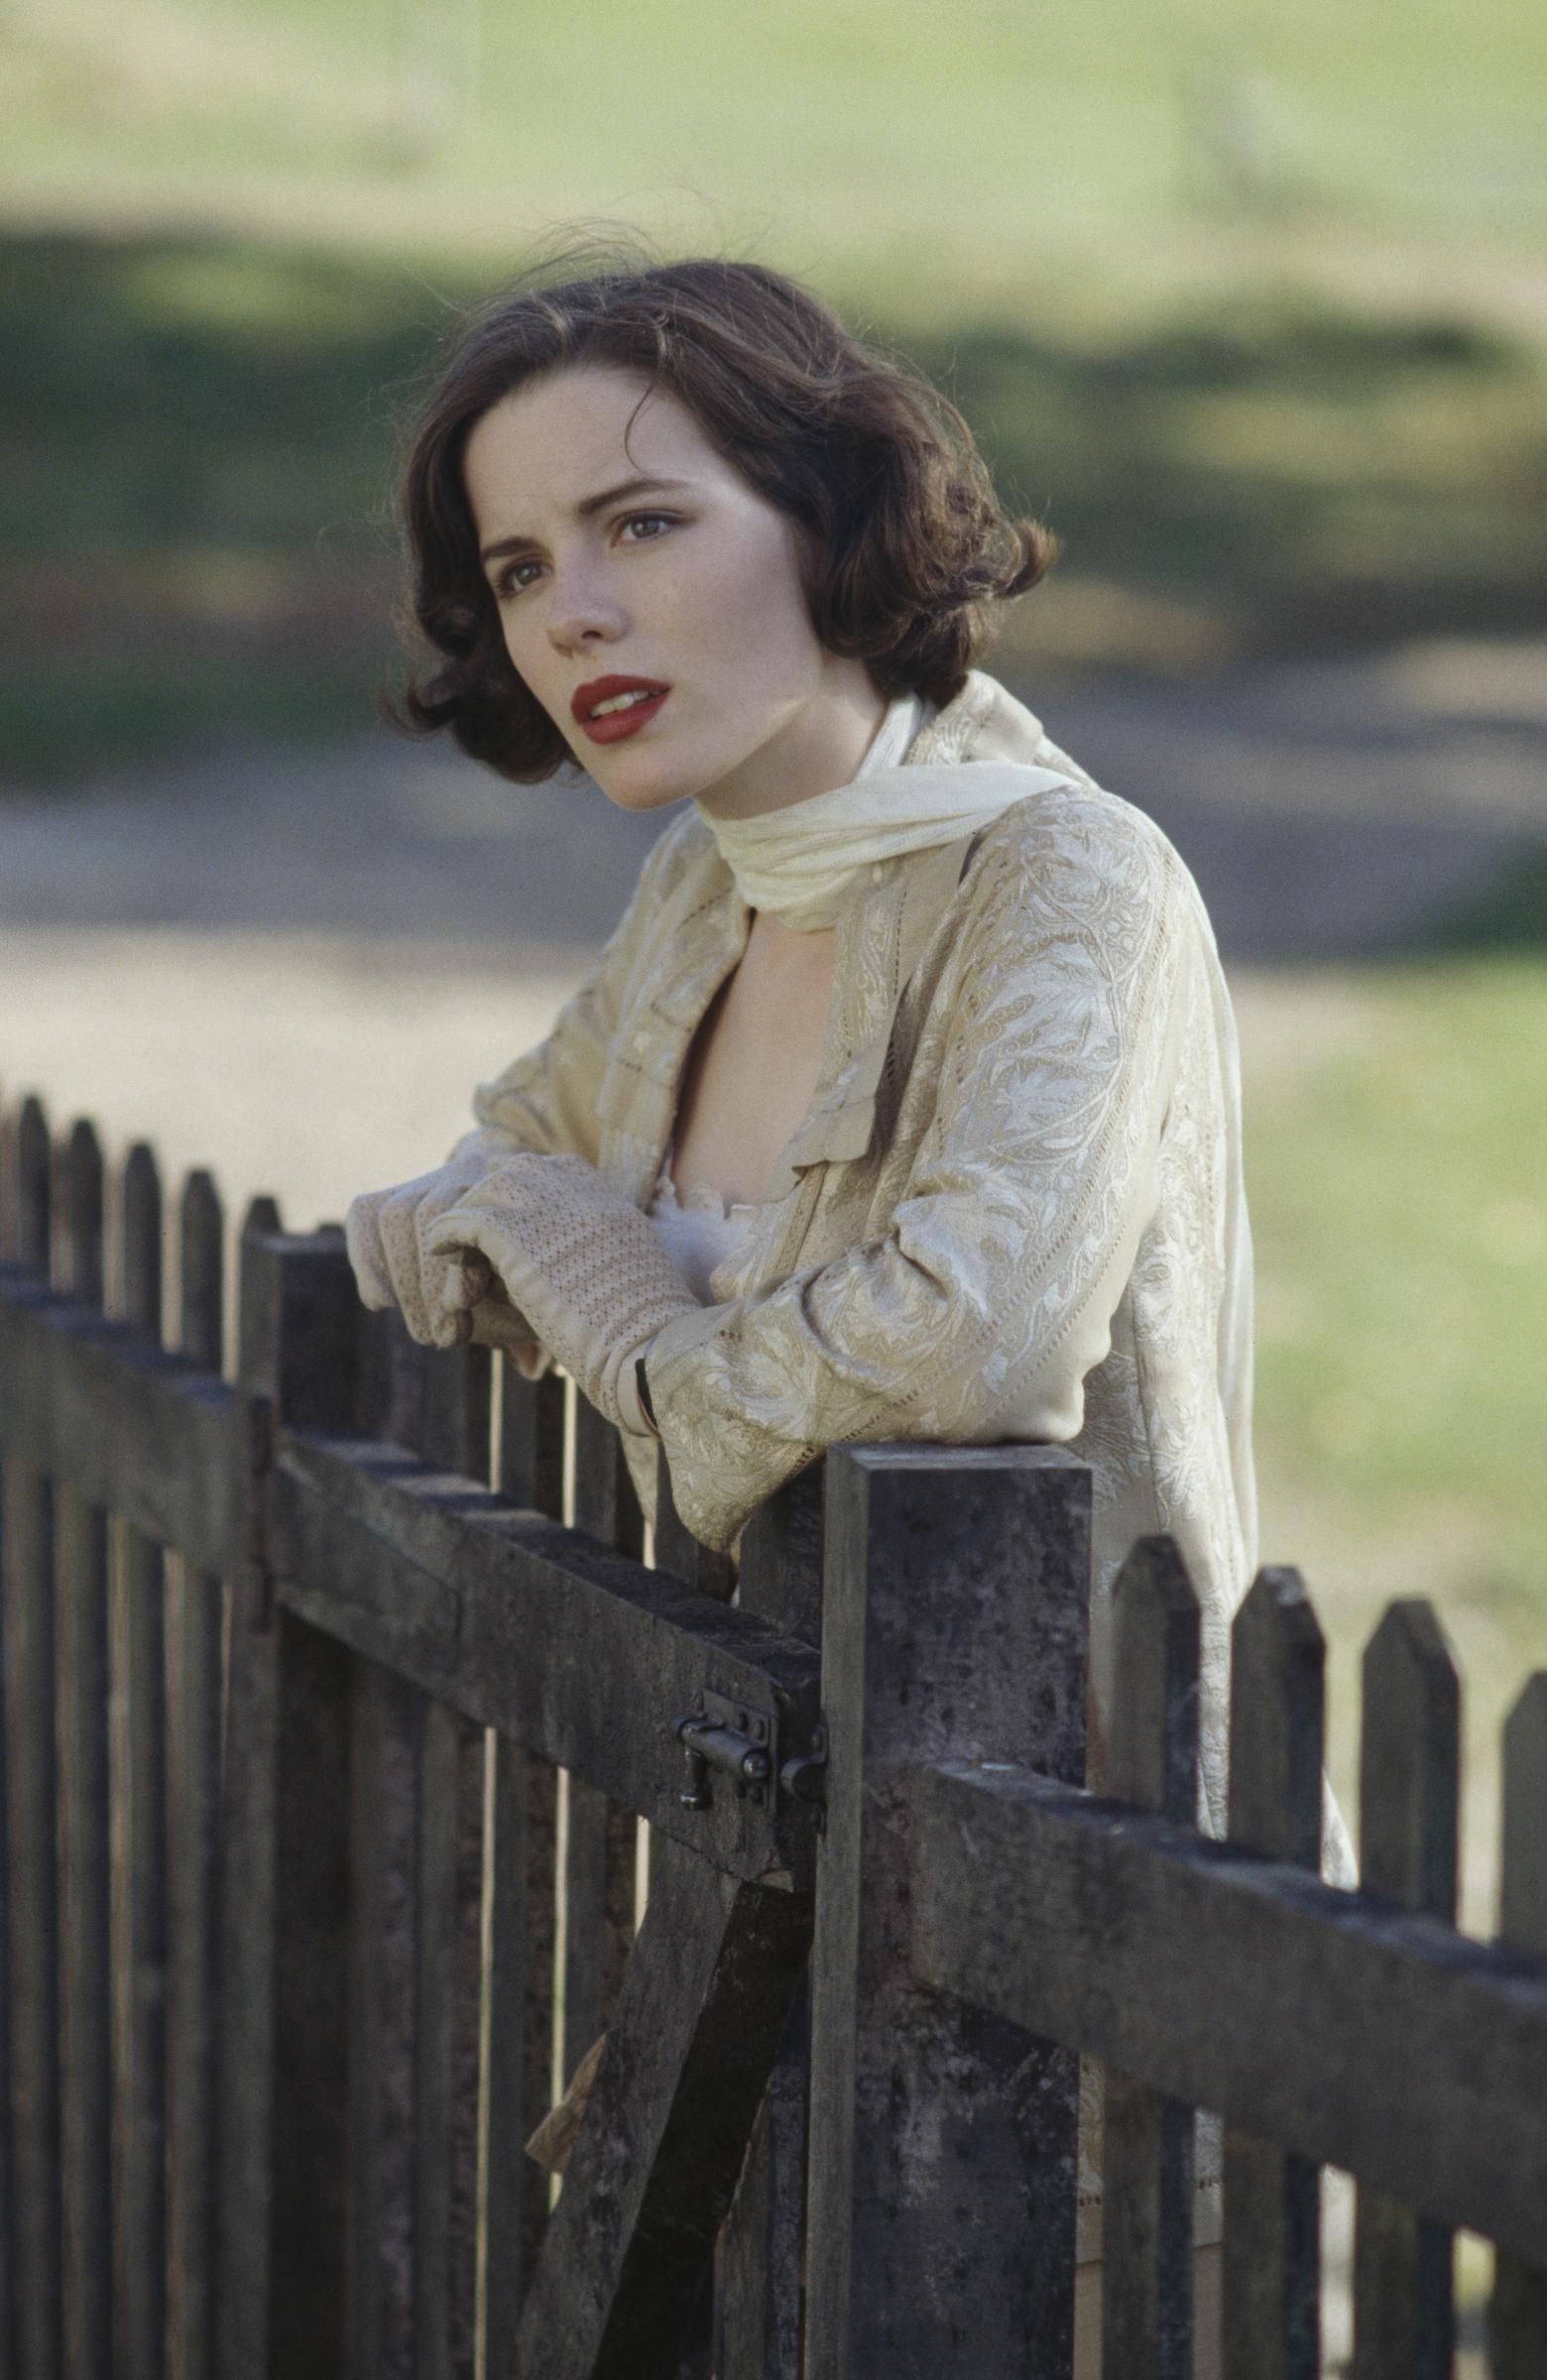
point(652, 601)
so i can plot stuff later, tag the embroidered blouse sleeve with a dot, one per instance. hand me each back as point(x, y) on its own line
point(994, 1289)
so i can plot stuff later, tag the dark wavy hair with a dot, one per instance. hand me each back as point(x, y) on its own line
point(905, 547)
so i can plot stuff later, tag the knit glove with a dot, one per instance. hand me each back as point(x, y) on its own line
point(584, 1266)
point(385, 1232)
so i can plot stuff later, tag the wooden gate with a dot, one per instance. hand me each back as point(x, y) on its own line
point(349, 1717)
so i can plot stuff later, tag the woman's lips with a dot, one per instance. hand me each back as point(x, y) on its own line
point(638, 699)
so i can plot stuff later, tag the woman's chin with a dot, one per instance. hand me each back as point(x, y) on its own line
point(648, 779)
point(651, 790)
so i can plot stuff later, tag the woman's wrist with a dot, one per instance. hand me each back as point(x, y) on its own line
point(635, 1410)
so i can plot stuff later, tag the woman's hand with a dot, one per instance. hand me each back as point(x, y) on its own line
point(385, 1231)
point(584, 1266)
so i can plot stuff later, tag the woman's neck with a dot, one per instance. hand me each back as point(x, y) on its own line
point(818, 748)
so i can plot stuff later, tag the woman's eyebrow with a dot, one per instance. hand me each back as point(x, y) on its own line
point(585, 510)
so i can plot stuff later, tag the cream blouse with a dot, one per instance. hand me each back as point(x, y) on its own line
point(1014, 1209)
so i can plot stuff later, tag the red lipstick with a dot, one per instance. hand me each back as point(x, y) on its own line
point(638, 700)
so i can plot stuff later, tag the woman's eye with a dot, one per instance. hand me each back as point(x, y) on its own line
point(650, 524)
point(519, 575)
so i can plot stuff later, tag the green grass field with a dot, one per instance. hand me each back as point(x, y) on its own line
point(924, 162)
point(1398, 1172)
point(1247, 302)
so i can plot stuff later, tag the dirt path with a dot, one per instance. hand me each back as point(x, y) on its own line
point(295, 965)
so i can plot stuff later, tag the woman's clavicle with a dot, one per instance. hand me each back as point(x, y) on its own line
point(754, 1063)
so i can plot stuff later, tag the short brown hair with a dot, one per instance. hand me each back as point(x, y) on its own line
point(905, 543)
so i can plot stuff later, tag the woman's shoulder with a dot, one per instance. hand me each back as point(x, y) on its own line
point(1070, 844)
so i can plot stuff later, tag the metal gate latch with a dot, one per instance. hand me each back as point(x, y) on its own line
point(718, 1733)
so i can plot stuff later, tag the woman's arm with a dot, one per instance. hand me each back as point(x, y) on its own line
point(544, 1101)
point(994, 1289)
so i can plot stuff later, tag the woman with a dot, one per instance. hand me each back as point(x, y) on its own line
point(903, 1100)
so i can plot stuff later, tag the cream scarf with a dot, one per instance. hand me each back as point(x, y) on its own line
point(803, 863)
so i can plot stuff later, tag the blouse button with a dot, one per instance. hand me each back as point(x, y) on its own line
point(877, 870)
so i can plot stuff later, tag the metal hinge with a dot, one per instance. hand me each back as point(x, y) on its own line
point(743, 1746)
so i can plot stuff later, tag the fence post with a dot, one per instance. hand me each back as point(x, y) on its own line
point(762, 2246)
point(31, 1793)
point(85, 1956)
point(1273, 2254)
point(1517, 2311)
point(196, 1621)
point(523, 1913)
point(285, 1938)
point(418, 1816)
point(940, 2234)
point(601, 1838)
point(1409, 1782)
point(140, 1673)
point(1148, 2147)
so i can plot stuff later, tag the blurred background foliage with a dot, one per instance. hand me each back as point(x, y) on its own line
point(1245, 296)
point(1244, 299)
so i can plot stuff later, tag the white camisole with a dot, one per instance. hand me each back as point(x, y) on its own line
point(699, 1230)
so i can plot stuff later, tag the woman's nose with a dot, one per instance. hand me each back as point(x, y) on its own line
point(581, 611)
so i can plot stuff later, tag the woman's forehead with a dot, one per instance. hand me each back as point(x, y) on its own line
point(550, 446)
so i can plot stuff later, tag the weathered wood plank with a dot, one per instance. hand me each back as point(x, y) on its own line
point(85, 1960)
point(31, 1793)
point(520, 1863)
point(601, 1837)
point(604, 1504)
point(85, 1944)
point(655, 2159)
point(140, 1242)
point(678, 1551)
point(196, 1626)
point(201, 1271)
point(447, 1997)
point(1191, 1964)
point(519, 1988)
point(196, 1623)
point(129, 1428)
point(380, 1552)
point(762, 2243)
point(141, 2094)
point(33, 1215)
point(1409, 1785)
point(284, 1963)
point(307, 2276)
point(761, 2249)
point(1517, 2311)
point(386, 1734)
point(1272, 2266)
point(942, 2156)
point(139, 1663)
point(531, 1451)
point(458, 1403)
point(600, 1859)
point(546, 1622)
point(1148, 2156)
point(84, 1187)
point(782, 1557)
point(439, 1409)
point(433, 1401)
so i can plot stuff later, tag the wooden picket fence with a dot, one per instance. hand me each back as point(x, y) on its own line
point(327, 1743)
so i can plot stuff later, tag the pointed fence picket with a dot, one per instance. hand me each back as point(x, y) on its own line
point(327, 1741)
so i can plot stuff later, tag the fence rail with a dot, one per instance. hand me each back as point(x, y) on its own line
point(339, 1676)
